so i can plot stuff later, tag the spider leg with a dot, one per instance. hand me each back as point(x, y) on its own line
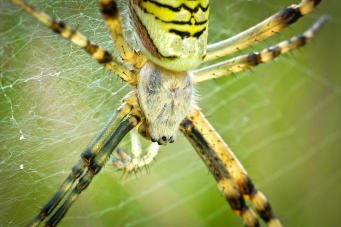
point(91, 151)
point(231, 177)
point(264, 29)
point(128, 164)
point(151, 154)
point(253, 59)
point(96, 164)
point(114, 23)
point(102, 56)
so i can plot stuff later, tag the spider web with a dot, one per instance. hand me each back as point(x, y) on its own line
point(282, 121)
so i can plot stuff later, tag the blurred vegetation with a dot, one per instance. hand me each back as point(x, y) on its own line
point(282, 121)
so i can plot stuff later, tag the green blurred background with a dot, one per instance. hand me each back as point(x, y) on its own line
point(282, 122)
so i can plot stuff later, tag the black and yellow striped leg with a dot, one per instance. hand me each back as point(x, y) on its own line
point(220, 160)
point(255, 58)
point(102, 56)
point(96, 164)
point(114, 23)
point(95, 147)
point(192, 128)
point(264, 29)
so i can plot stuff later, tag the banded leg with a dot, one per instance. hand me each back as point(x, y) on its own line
point(102, 56)
point(264, 29)
point(220, 159)
point(90, 152)
point(192, 127)
point(255, 58)
point(114, 23)
point(96, 164)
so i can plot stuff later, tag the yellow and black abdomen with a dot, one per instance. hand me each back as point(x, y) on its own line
point(173, 33)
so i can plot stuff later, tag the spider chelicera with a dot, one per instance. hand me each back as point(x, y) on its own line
point(172, 36)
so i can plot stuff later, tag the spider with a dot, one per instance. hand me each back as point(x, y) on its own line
point(172, 36)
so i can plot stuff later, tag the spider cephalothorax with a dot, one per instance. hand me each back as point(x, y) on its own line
point(165, 98)
point(172, 36)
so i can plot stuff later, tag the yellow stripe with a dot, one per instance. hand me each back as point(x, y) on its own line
point(191, 17)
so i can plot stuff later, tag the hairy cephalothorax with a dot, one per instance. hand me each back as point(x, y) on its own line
point(165, 98)
point(172, 35)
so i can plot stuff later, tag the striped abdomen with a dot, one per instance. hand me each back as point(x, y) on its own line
point(173, 33)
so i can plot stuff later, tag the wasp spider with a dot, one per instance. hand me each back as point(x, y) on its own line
point(172, 36)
